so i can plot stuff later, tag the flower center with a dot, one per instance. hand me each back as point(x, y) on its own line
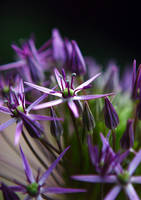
point(6, 89)
point(68, 92)
point(32, 189)
point(19, 108)
point(124, 178)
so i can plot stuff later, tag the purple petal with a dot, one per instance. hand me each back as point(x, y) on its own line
point(12, 65)
point(57, 190)
point(131, 193)
point(8, 123)
point(50, 169)
point(113, 193)
point(18, 188)
point(83, 85)
point(135, 179)
point(5, 110)
point(43, 89)
point(27, 168)
point(43, 117)
point(134, 163)
point(60, 80)
point(49, 104)
point(8, 193)
point(88, 97)
point(73, 108)
point(18, 132)
point(95, 178)
point(36, 102)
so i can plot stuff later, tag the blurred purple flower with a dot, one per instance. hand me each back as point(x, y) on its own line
point(67, 93)
point(20, 114)
point(37, 186)
point(122, 178)
point(31, 63)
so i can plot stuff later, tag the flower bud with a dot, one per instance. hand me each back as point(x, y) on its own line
point(56, 128)
point(88, 118)
point(127, 140)
point(110, 115)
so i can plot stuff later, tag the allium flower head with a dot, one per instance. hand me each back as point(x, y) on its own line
point(67, 92)
point(37, 186)
point(31, 63)
point(122, 178)
point(20, 114)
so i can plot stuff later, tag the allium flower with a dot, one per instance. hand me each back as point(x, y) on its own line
point(37, 186)
point(67, 92)
point(122, 178)
point(20, 114)
point(31, 63)
point(110, 115)
point(67, 54)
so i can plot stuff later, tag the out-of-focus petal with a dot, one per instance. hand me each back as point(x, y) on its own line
point(113, 193)
point(134, 163)
point(95, 178)
point(8, 123)
point(18, 132)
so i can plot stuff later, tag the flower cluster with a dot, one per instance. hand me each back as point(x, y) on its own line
point(77, 132)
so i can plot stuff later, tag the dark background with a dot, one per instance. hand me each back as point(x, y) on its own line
point(105, 29)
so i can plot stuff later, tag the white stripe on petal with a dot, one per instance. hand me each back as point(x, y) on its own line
point(49, 104)
point(43, 89)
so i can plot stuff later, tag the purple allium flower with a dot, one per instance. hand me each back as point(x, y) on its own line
point(127, 140)
point(31, 63)
point(35, 187)
point(112, 82)
point(122, 178)
point(110, 115)
point(20, 114)
point(67, 54)
point(67, 93)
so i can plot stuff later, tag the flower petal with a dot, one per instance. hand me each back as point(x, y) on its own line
point(12, 65)
point(18, 132)
point(85, 84)
point(43, 117)
point(131, 193)
point(73, 108)
point(8, 193)
point(60, 80)
point(27, 168)
point(50, 169)
point(135, 179)
point(5, 110)
point(49, 104)
point(95, 178)
point(36, 102)
point(8, 123)
point(113, 193)
point(43, 89)
point(88, 97)
point(134, 163)
point(57, 190)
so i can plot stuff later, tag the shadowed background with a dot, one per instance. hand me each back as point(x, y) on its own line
point(104, 29)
